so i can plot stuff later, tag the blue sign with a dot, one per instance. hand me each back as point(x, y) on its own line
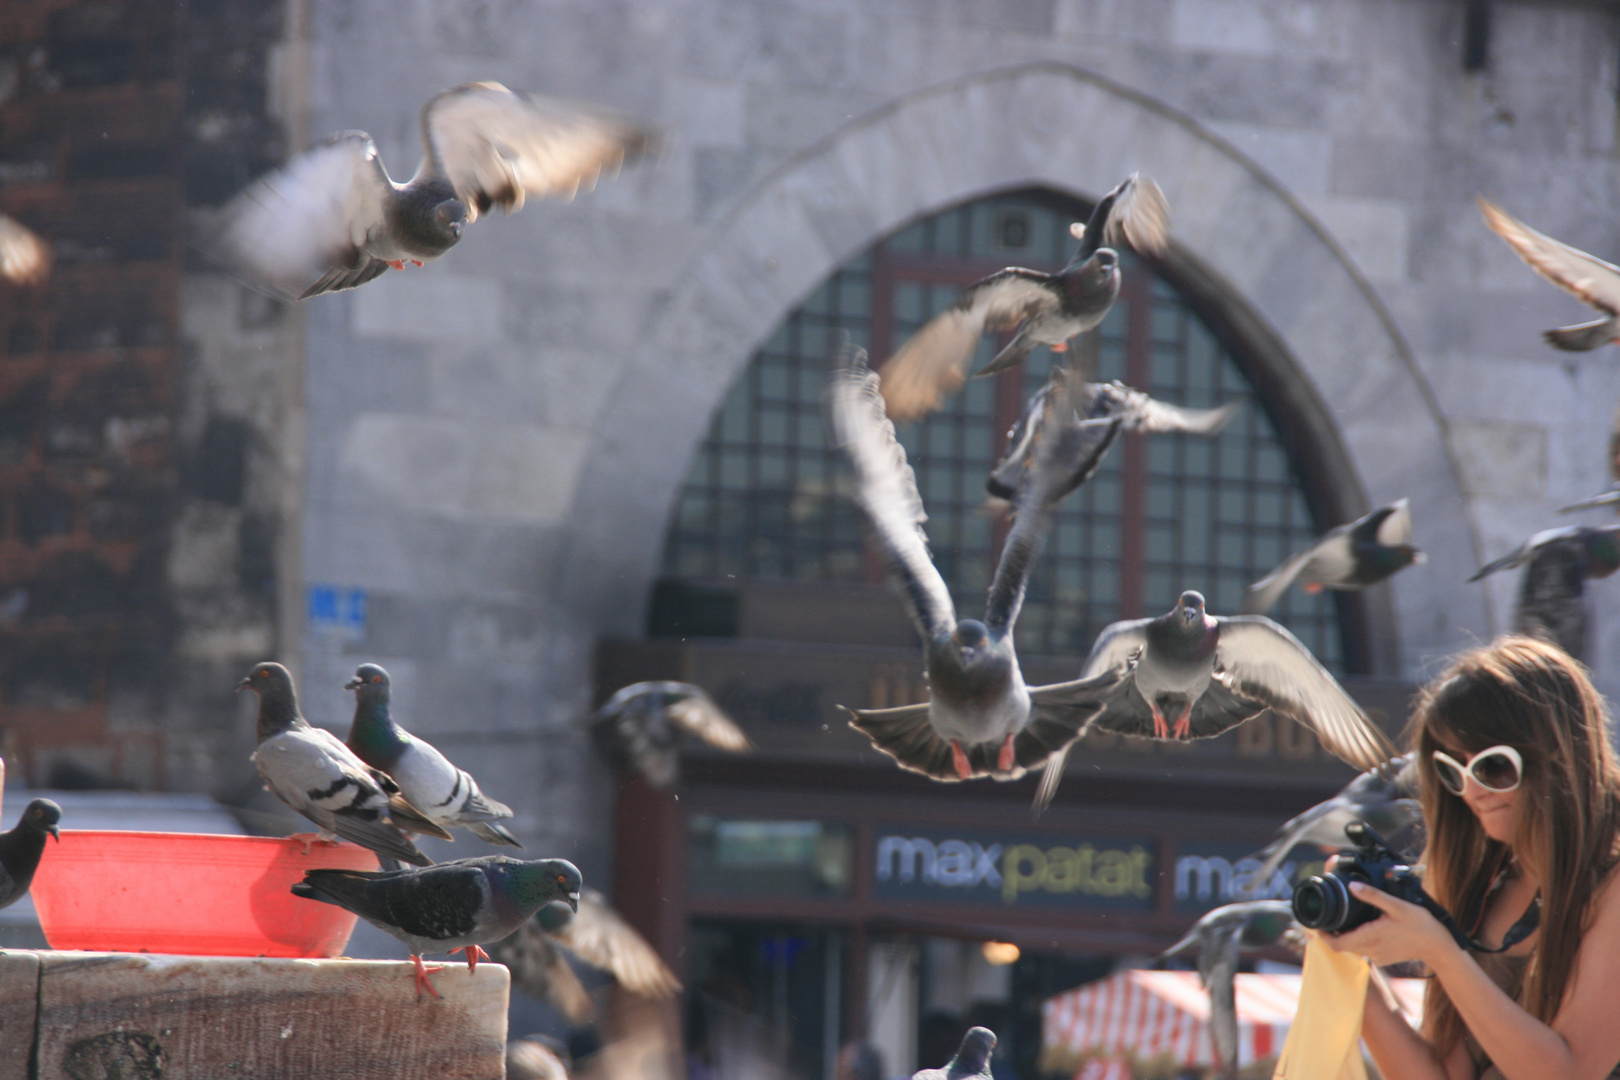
point(1207, 875)
point(335, 611)
point(1049, 870)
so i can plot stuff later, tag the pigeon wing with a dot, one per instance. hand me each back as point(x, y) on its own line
point(1143, 413)
point(698, 714)
point(1608, 498)
point(599, 936)
point(1550, 594)
point(302, 229)
point(1396, 527)
point(1262, 661)
point(934, 362)
point(1586, 276)
point(886, 490)
point(1263, 595)
point(1526, 550)
point(540, 970)
point(497, 148)
point(25, 259)
point(1115, 646)
point(905, 734)
point(1139, 215)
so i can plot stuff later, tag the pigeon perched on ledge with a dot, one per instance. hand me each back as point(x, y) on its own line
point(1585, 276)
point(22, 847)
point(448, 796)
point(333, 218)
point(311, 771)
point(1364, 552)
point(980, 718)
point(972, 1058)
point(642, 725)
point(452, 907)
point(1046, 309)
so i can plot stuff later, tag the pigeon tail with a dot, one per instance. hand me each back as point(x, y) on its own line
point(1584, 337)
point(493, 834)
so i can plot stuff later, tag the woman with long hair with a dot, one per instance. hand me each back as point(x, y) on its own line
point(1521, 795)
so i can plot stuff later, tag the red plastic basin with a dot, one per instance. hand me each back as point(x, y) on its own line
point(194, 894)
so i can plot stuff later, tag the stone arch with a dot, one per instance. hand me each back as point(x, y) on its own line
point(1277, 274)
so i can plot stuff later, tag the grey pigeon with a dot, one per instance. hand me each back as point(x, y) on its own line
point(1212, 674)
point(642, 725)
point(25, 259)
point(452, 907)
point(1385, 797)
point(22, 847)
point(600, 937)
point(1112, 407)
point(311, 771)
point(448, 796)
point(333, 218)
point(1219, 938)
point(1558, 563)
point(1364, 552)
point(972, 1058)
point(980, 718)
point(1046, 309)
point(1585, 276)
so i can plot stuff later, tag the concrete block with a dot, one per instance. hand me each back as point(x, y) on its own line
point(19, 1002)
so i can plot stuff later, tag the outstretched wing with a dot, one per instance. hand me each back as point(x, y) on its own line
point(540, 970)
point(698, 714)
point(301, 230)
point(1586, 276)
point(1550, 594)
point(496, 148)
point(1262, 661)
point(1115, 646)
point(886, 490)
point(25, 259)
point(1143, 413)
point(1608, 498)
point(935, 361)
point(1396, 526)
point(1136, 211)
point(599, 936)
point(905, 734)
point(1527, 549)
point(1263, 595)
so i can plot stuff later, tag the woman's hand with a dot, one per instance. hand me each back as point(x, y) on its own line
point(1403, 932)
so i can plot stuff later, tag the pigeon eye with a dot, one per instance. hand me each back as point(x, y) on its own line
point(376, 678)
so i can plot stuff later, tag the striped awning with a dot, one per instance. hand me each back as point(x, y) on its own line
point(1151, 1015)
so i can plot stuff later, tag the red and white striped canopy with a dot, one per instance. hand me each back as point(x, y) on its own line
point(1149, 1014)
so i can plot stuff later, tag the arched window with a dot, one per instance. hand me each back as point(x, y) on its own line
point(767, 497)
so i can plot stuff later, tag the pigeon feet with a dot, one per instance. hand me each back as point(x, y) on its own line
point(1062, 346)
point(473, 954)
point(416, 262)
point(1314, 587)
point(397, 264)
point(1183, 728)
point(1005, 760)
point(422, 973)
point(1161, 726)
point(959, 759)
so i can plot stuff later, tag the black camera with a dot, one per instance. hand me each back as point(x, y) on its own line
point(1324, 902)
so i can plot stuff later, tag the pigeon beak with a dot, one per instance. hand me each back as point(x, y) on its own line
point(245, 684)
point(55, 832)
point(354, 683)
point(573, 901)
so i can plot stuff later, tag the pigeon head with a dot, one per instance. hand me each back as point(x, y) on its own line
point(546, 881)
point(1190, 607)
point(370, 683)
point(971, 638)
point(267, 677)
point(974, 1052)
point(278, 701)
point(43, 815)
point(450, 217)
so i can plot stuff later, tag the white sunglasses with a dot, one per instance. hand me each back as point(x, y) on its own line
point(1495, 768)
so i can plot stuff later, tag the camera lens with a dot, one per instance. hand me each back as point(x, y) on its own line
point(1321, 902)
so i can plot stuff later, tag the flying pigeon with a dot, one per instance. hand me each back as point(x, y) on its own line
point(1114, 407)
point(972, 1058)
point(1587, 277)
point(1560, 561)
point(1219, 938)
point(643, 722)
point(25, 259)
point(1364, 552)
point(1046, 309)
point(333, 218)
point(980, 718)
point(1385, 797)
point(597, 935)
point(311, 771)
point(446, 794)
point(1211, 674)
point(452, 907)
point(21, 848)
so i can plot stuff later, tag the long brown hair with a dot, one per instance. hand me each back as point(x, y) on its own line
point(1532, 696)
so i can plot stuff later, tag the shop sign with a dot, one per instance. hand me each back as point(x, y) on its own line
point(1206, 875)
point(1045, 870)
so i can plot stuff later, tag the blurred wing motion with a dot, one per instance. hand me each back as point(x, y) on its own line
point(1551, 595)
point(25, 259)
point(1607, 498)
point(642, 724)
point(599, 936)
point(497, 148)
point(1136, 211)
point(1351, 556)
point(1585, 276)
point(540, 970)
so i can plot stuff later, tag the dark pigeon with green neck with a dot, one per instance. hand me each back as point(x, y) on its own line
point(972, 1058)
point(1558, 564)
point(449, 796)
point(22, 847)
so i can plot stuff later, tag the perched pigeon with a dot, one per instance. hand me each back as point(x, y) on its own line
point(1385, 797)
point(537, 1057)
point(311, 771)
point(446, 794)
point(1587, 277)
point(333, 218)
point(980, 718)
point(1216, 673)
point(1352, 556)
point(1114, 407)
point(1560, 563)
point(597, 935)
point(642, 724)
point(21, 848)
point(1607, 498)
point(25, 259)
point(452, 907)
point(972, 1058)
point(1219, 937)
point(1046, 309)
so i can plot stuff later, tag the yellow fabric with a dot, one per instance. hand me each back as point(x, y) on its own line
point(1324, 1041)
